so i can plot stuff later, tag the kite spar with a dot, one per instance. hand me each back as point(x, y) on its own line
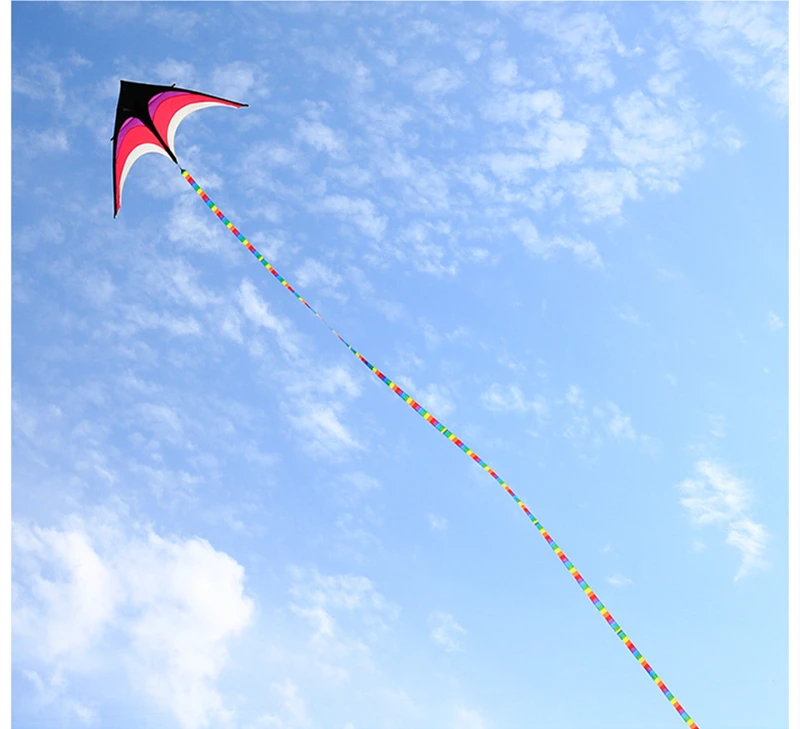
point(146, 121)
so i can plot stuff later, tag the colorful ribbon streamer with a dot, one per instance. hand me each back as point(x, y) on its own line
point(414, 405)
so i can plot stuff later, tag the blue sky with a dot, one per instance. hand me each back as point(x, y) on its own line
point(561, 227)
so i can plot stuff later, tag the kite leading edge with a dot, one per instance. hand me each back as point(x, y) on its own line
point(146, 122)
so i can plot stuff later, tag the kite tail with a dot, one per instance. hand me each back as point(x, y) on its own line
point(414, 405)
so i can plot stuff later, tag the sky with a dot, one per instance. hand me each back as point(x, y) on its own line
point(562, 228)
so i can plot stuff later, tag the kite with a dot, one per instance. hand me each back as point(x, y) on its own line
point(147, 117)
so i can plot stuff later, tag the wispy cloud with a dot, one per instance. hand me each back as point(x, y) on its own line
point(602, 192)
point(54, 691)
point(584, 251)
point(321, 137)
point(520, 107)
point(658, 145)
point(715, 496)
point(774, 322)
point(360, 212)
point(749, 40)
point(322, 423)
point(718, 425)
point(327, 602)
point(510, 399)
point(574, 396)
point(751, 540)
point(292, 712)
point(240, 81)
point(588, 38)
point(436, 523)
point(438, 82)
point(619, 580)
point(466, 718)
point(313, 273)
point(617, 424)
point(446, 631)
point(504, 72)
point(259, 312)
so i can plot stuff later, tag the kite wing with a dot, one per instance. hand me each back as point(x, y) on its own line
point(147, 119)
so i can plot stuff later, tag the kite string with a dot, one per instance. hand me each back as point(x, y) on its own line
point(414, 405)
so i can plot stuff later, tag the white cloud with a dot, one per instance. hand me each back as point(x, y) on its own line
point(33, 142)
point(445, 631)
point(751, 540)
point(522, 106)
point(715, 496)
point(320, 423)
point(318, 400)
point(134, 318)
point(182, 73)
point(619, 580)
point(438, 82)
point(601, 193)
point(505, 72)
point(238, 81)
point(574, 396)
point(717, 423)
point(162, 419)
point(67, 612)
point(332, 602)
point(559, 141)
point(173, 603)
point(270, 154)
point(259, 313)
point(358, 211)
point(321, 137)
point(294, 713)
point(53, 691)
point(314, 273)
point(730, 139)
point(510, 399)
point(470, 47)
point(337, 380)
point(351, 593)
point(659, 146)
point(586, 39)
point(424, 254)
point(438, 399)
point(357, 484)
point(182, 282)
point(629, 316)
point(188, 227)
point(436, 523)
point(43, 81)
point(424, 27)
point(665, 82)
point(583, 250)
point(512, 167)
point(466, 718)
point(774, 322)
point(619, 424)
point(749, 40)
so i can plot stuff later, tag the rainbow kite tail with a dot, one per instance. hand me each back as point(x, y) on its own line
point(453, 438)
